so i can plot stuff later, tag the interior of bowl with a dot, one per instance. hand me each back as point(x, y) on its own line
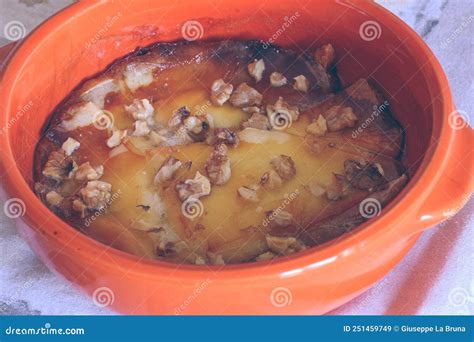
point(46, 68)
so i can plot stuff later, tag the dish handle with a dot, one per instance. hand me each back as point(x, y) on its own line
point(454, 188)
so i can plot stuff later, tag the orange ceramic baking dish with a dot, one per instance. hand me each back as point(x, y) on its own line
point(85, 37)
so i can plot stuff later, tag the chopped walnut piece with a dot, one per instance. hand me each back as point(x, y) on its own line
point(364, 175)
point(116, 138)
point(218, 165)
point(245, 96)
point(284, 245)
point(282, 218)
point(325, 56)
point(248, 193)
point(79, 206)
point(194, 188)
point(301, 83)
point(86, 172)
point(167, 170)
point(258, 121)
point(334, 191)
point(199, 261)
point(281, 114)
point(316, 189)
point(58, 165)
point(222, 136)
point(220, 92)
point(318, 128)
point(215, 259)
point(256, 69)
point(338, 117)
point(265, 256)
point(252, 109)
point(271, 180)
point(140, 110)
point(179, 116)
point(70, 145)
point(284, 166)
point(193, 124)
point(54, 199)
point(140, 128)
point(277, 79)
point(96, 194)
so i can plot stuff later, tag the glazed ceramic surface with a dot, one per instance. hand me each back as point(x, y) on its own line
point(438, 150)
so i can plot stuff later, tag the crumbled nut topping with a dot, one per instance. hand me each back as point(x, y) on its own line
point(316, 189)
point(140, 109)
point(338, 118)
point(116, 138)
point(334, 191)
point(193, 124)
point(301, 83)
point(282, 111)
point(199, 261)
point(364, 175)
point(325, 56)
point(258, 121)
point(54, 199)
point(245, 96)
point(96, 194)
point(167, 170)
point(282, 218)
point(271, 180)
point(284, 166)
point(194, 188)
point(79, 206)
point(284, 245)
point(140, 128)
point(218, 165)
point(265, 256)
point(70, 145)
point(318, 128)
point(277, 79)
point(215, 259)
point(58, 165)
point(248, 193)
point(252, 109)
point(179, 116)
point(220, 92)
point(222, 136)
point(86, 172)
point(256, 69)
